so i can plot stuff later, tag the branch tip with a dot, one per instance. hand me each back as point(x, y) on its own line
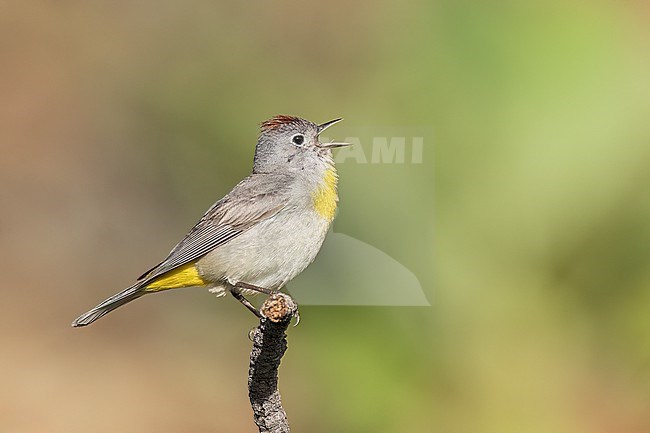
point(279, 308)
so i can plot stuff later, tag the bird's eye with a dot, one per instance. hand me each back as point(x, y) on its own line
point(298, 139)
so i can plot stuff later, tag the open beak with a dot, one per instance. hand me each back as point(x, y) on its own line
point(332, 145)
point(322, 127)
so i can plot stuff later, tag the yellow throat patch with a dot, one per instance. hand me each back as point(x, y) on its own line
point(183, 276)
point(325, 198)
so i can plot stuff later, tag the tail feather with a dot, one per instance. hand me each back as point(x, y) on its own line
point(115, 301)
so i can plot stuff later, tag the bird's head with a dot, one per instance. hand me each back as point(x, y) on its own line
point(289, 143)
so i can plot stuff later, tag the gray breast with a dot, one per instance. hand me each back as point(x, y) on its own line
point(269, 254)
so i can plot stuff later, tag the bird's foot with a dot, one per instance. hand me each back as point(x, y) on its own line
point(242, 285)
point(246, 303)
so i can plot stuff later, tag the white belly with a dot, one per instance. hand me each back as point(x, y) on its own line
point(267, 255)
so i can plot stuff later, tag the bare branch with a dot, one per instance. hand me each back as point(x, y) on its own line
point(269, 345)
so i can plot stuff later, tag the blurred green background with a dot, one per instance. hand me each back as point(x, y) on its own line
point(527, 224)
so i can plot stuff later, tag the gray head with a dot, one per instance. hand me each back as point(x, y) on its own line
point(290, 144)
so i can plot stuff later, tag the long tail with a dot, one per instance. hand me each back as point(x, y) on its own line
point(115, 301)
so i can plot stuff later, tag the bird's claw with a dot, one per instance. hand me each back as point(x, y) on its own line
point(297, 317)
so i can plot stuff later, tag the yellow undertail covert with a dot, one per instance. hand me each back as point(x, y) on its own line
point(183, 276)
point(325, 197)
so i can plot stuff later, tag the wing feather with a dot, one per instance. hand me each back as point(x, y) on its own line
point(256, 198)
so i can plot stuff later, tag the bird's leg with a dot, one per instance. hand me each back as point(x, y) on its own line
point(245, 302)
point(242, 285)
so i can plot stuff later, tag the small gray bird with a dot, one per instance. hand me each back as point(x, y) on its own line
point(263, 233)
